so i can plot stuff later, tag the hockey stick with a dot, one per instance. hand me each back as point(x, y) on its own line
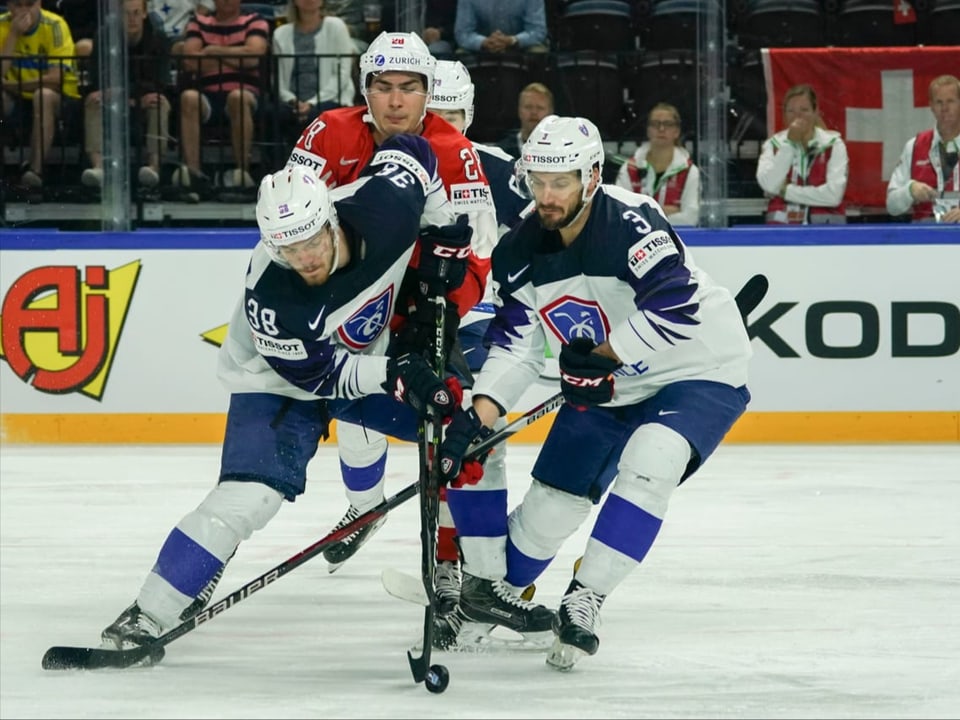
point(84, 658)
point(747, 299)
point(751, 294)
point(79, 658)
point(528, 418)
point(436, 677)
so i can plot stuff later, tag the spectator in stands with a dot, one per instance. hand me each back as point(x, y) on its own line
point(222, 56)
point(148, 70)
point(926, 182)
point(439, 19)
point(308, 83)
point(365, 19)
point(803, 169)
point(500, 27)
point(39, 77)
point(663, 169)
point(82, 17)
point(535, 102)
point(173, 15)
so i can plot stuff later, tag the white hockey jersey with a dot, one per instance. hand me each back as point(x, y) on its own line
point(627, 278)
point(305, 342)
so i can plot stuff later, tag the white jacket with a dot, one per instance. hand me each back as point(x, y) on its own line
point(899, 199)
point(336, 74)
point(779, 156)
point(689, 212)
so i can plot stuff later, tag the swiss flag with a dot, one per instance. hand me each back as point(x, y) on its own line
point(903, 12)
point(876, 98)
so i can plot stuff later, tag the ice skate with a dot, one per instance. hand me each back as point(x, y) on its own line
point(339, 552)
point(446, 583)
point(495, 602)
point(132, 629)
point(578, 617)
point(455, 632)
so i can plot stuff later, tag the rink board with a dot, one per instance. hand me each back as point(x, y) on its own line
point(112, 337)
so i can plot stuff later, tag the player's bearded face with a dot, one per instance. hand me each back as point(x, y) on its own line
point(312, 258)
point(559, 197)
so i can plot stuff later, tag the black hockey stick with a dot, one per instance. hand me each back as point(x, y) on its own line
point(436, 677)
point(528, 418)
point(82, 658)
point(751, 294)
point(79, 658)
point(86, 658)
point(747, 299)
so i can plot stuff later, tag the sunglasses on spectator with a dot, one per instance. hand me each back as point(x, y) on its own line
point(662, 124)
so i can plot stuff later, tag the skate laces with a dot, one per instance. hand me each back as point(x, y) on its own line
point(135, 622)
point(507, 595)
point(582, 607)
point(352, 514)
point(148, 625)
point(447, 579)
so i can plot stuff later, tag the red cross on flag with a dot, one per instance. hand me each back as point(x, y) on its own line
point(876, 98)
point(903, 12)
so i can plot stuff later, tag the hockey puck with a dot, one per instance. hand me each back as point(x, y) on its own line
point(437, 679)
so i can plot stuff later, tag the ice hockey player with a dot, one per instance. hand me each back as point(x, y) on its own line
point(396, 79)
point(653, 358)
point(308, 343)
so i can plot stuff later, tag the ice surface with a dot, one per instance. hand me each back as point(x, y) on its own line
point(788, 582)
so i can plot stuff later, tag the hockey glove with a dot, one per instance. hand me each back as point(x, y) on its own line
point(410, 380)
point(464, 430)
point(444, 252)
point(586, 378)
point(419, 331)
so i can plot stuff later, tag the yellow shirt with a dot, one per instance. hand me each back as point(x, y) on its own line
point(36, 49)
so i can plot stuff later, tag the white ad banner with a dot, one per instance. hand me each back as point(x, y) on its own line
point(842, 328)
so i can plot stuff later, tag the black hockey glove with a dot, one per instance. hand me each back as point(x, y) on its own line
point(419, 331)
point(410, 380)
point(586, 378)
point(444, 252)
point(464, 430)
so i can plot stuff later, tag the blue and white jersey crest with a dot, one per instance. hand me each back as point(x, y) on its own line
point(570, 317)
point(365, 325)
point(329, 340)
point(628, 280)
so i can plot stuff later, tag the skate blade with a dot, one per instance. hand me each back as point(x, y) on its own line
point(539, 641)
point(563, 657)
point(485, 638)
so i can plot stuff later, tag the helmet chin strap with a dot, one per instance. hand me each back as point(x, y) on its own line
point(585, 198)
point(336, 249)
point(583, 206)
point(368, 118)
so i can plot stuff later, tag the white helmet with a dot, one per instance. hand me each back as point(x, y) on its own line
point(292, 205)
point(453, 90)
point(397, 52)
point(564, 144)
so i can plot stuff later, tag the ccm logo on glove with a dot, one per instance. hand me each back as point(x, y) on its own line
point(583, 382)
point(586, 377)
point(444, 251)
